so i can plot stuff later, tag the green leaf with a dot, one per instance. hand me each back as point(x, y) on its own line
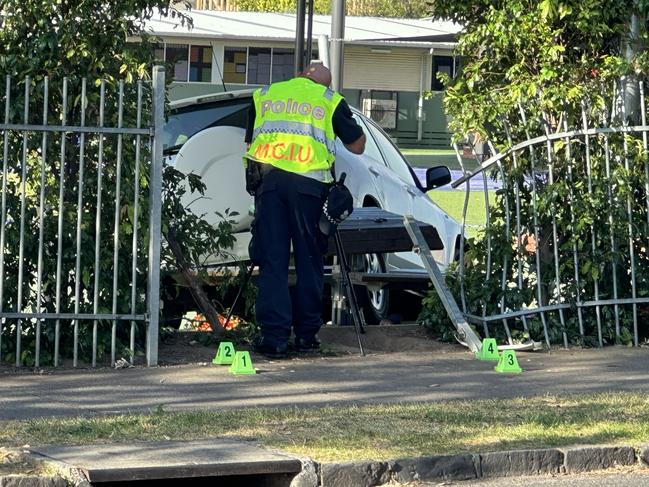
point(546, 7)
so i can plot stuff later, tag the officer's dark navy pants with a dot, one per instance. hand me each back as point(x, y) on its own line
point(288, 209)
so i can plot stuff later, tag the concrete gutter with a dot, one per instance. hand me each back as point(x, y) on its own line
point(569, 460)
point(515, 463)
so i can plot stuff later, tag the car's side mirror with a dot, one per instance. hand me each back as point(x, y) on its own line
point(437, 176)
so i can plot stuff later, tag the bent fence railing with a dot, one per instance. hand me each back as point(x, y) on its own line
point(80, 219)
point(564, 252)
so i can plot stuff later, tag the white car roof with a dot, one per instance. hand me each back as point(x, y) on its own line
point(220, 96)
point(223, 95)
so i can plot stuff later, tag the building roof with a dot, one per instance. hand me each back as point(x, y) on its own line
point(281, 27)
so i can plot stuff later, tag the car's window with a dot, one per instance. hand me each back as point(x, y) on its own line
point(391, 154)
point(187, 121)
point(371, 149)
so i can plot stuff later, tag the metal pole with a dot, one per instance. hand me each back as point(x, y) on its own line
point(632, 236)
point(573, 226)
point(118, 197)
point(41, 223)
point(136, 214)
point(3, 205)
point(59, 233)
point(156, 217)
point(299, 36)
point(465, 207)
point(593, 233)
point(610, 182)
point(503, 281)
point(537, 231)
point(100, 174)
point(77, 267)
point(337, 43)
point(421, 248)
point(21, 245)
point(309, 32)
point(555, 247)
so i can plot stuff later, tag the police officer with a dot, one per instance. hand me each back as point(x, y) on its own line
point(291, 135)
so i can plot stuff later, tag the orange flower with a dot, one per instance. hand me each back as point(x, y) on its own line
point(530, 245)
point(527, 242)
point(201, 324)
point(232, 324)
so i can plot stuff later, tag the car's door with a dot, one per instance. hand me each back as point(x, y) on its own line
point(407, 188)
point(410, 196)
point(390, 188)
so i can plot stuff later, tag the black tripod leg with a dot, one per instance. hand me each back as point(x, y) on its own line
point(349, 290)
point(239, 293)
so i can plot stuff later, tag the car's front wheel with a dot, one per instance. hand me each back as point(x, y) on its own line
point(375, 303)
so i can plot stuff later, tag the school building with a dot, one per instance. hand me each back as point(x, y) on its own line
point(389, 64)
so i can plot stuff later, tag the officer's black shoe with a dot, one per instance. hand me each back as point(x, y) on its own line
point(268, 350)
point(307, 345)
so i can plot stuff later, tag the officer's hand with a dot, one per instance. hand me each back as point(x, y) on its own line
point(358, 146)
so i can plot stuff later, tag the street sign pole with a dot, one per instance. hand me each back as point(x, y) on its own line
point(299, 36)
point(337, 43)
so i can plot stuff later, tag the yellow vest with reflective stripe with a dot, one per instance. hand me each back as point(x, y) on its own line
point(293, 127)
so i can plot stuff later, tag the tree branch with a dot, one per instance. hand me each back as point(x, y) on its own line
point(194, 286)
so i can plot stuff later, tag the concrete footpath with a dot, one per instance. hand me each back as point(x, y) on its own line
point(442, 373)
point(319, 381)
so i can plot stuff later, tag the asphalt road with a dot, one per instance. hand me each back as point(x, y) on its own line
point(599, 479)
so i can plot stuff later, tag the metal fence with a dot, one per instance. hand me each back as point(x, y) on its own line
point(80, 219)
point(564, 252)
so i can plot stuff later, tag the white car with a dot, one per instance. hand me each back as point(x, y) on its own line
point(205, 135)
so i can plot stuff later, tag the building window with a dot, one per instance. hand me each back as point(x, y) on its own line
point(200, 64)
point(283, 64)
point(442, 64)
point(177, 55)
point(185, 62)
point(258, 66)
point(234, 65)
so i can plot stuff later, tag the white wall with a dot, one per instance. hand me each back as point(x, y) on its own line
point(397, 70)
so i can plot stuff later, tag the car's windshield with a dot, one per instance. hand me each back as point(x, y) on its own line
point(184, 122)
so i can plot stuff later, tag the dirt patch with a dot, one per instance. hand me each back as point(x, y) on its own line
point(15, 462)
point(385, 339)
point(199, 347)
point(186, 347)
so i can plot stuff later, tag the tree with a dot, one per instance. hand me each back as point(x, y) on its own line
point(42, 42)
point(369, 8)
point(558, 59)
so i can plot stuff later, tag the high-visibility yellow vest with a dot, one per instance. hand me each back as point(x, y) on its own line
point(293, 127)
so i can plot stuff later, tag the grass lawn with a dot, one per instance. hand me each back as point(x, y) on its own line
point(435, 157)
point(372, 432)
point(452, 202)
point(440, 152)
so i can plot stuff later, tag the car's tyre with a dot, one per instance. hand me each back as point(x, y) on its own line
point(375, 304)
